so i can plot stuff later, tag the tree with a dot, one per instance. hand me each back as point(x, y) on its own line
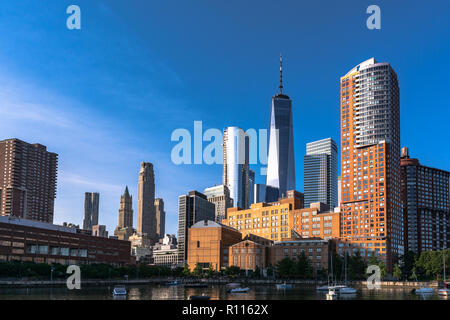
point(210, 271)
point(284, 267)
point(374, 261)
point(304, 268)
point(338, 267)
point(356, 267)
point(397, 272)
point(407, 262)
point(198, 270)
point(257, 272)
point(232, 271)
point(270, 270)
point(186, 271)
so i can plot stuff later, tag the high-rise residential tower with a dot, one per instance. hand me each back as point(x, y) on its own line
point(339, 192)
point(91, 203)
point(192, 208)
point(371, 208)
point(125, 226)
point(160, 218)
point(320, 172)
point(280, 161)
point(236, 164)
point(146, 216)
point(220, 196)
point(27, 180)
point(426, 207)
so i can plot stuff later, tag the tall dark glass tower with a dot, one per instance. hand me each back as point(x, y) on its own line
point(192, 208)
point(320, 173)
point(280, 162)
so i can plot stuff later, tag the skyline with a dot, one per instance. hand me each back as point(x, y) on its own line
point(66, 96)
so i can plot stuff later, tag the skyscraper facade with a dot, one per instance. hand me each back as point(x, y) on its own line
point(371, 208)
point(192, 208)
point(27, 180)
point(280, 161)
point(125, 226)
point(320, 172)
point(160, 218)
point(250, 188)
point(426, 207)
point(220, 196)
point(236, 165)
point(259, 193)
point(146, 216)
point(91, 203)
point(99, 231)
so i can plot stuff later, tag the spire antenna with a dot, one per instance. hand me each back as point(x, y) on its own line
point(281, 74)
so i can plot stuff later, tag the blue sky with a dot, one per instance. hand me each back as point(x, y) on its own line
point(108, 96)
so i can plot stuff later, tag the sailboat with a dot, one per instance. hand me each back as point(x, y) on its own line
point(423, 290)
point(331, 294)
point(445, 291)
point(345, 289)
point(327, 287)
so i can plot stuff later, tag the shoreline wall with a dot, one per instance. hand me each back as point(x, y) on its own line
point(223, 281)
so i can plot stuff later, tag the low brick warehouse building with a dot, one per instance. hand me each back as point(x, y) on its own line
point(34, 241)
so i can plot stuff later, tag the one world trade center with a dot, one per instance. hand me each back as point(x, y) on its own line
point(280, 162)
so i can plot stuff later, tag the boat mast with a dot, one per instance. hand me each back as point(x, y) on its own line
point(331, 256)
point(345, 266)
point(445, 274)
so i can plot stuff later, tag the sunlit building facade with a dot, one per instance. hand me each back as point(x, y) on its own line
point(267, 220)
point(371, 208)
point(317, 221)
point(236, 165)
point(209, 243)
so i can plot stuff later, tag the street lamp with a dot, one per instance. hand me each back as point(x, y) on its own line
point(51, 273)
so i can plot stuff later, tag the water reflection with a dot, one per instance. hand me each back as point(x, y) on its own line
point(216, 292)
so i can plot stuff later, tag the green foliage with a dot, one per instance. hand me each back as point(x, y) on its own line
point(397, 272)
point(232, 271)
point(427, 266)
point(42, 271)
point(186, 270)
point(198, 270)
point(374, 261)
point(300, 268)
point(356, 267)
point(210, 272)
point(270, 270)
point(284, 267)
point(430, 265)
point(407, 263)
point(338, 267)
point(256, 273)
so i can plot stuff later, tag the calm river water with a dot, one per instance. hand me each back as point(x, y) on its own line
point(162, 292)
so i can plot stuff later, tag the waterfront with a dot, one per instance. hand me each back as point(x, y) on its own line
point(216, 292)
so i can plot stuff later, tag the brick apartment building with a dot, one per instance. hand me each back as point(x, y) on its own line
point(27, 180)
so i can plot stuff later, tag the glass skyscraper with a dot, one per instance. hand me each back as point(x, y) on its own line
point(320, 172)
point(192, 208)
point(280, 162)
point(236, 165)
